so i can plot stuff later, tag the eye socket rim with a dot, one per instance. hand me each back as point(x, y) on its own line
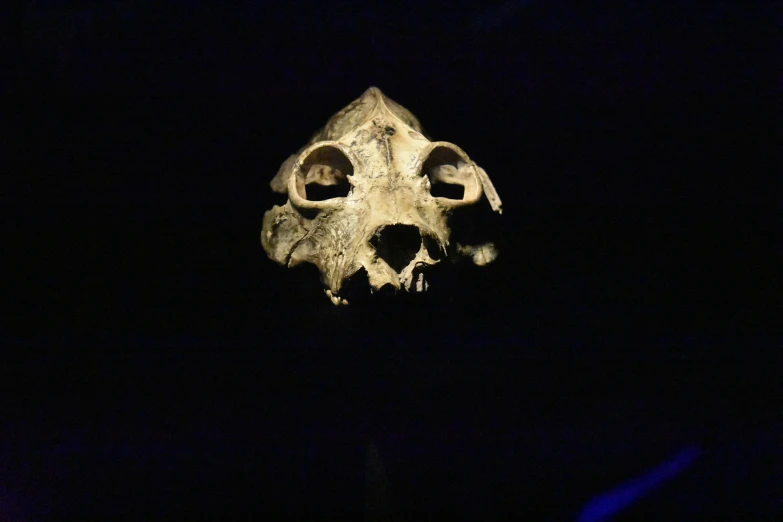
point(473, 190)
point(296, 180)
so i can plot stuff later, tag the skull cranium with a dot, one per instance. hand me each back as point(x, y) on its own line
point(361, 196)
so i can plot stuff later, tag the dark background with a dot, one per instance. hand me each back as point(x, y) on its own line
point(158, 363)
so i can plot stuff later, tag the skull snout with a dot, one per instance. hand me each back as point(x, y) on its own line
point(403, 247)
point(397, 245)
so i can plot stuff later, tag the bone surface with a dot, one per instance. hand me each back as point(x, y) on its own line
point(370, 192)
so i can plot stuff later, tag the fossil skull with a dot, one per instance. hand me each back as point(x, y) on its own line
point(362, 196)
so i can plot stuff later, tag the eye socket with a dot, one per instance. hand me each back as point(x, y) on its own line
point(441, 189)
point(324, 174)
point(448, 173)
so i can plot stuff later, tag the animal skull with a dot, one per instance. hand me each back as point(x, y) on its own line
point(361, 197)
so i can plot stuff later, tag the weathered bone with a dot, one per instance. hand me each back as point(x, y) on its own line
point(378, 148)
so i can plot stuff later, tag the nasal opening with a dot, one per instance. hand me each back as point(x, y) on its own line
point(397, 245)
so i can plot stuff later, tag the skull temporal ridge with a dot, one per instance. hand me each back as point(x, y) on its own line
point(361, 195)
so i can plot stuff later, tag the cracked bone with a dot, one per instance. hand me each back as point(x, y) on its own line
point(360, 197)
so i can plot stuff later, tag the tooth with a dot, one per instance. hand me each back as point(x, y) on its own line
point(420, 283)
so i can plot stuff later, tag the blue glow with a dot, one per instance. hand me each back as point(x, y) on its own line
point(608, 504)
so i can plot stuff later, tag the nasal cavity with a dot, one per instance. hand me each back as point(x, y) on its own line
point(397, 245)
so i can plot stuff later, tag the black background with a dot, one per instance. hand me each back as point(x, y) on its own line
point(158, 363)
